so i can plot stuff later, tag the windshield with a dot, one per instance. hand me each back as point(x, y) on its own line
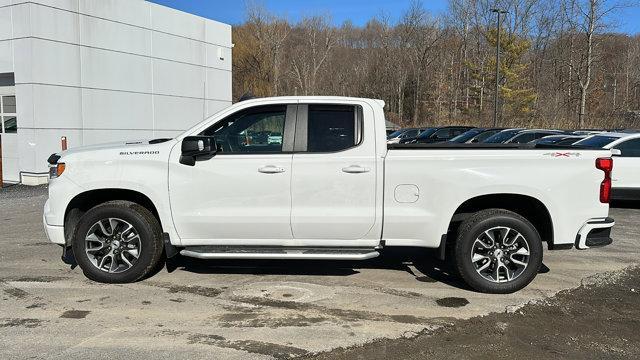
point(502, 136)
point(395, 134)
point(549, 140)
point(466, 136)
point(597, 141)
point(427, 133)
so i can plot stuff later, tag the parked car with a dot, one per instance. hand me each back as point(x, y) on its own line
point(628, 131)
point(476, 135)
point(333, 190)
point(626, 172)
point(559, 140)
point(502, 136)
point(587, 132)
point(439, 134)
point(274, 138)
point(409, 133)
point(526, 136)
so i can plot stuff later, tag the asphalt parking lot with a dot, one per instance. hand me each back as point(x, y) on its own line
point(248, 309)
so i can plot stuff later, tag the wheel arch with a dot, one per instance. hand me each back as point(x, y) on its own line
point(84, 201)
point(526, 206)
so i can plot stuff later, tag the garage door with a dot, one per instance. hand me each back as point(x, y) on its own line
point(9, 135)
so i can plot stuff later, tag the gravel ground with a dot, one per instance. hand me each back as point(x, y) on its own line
point(16, 191)
point(288, 309)
point(598, 320)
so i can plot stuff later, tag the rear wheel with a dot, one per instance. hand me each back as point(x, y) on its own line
point(497, 251)
point(117, 242)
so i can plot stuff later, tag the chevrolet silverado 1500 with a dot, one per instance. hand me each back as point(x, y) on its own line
point(314, 178)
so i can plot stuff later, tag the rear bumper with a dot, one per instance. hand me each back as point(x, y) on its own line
point(595, 233)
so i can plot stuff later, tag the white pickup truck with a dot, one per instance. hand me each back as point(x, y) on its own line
point(314, 178)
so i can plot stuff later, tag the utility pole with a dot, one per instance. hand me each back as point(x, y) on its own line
point(495, 96)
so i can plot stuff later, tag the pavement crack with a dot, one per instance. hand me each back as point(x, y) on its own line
point(276, 351)
point(343, 314)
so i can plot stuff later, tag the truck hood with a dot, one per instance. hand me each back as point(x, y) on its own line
point(133, 147)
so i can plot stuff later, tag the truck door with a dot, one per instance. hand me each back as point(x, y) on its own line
point(244, 192)
point(333, 183)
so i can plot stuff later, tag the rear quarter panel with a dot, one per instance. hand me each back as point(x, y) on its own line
point(567, 185)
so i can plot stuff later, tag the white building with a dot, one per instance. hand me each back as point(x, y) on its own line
point(103, 70)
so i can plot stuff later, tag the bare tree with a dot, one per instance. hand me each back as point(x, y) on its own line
point(420, 34)
point(316, 39)
point(437, 70)
point(588, 18)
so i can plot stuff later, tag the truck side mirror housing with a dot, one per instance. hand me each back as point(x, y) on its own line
point(197, 148)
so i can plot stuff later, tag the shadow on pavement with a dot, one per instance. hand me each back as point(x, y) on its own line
point(429, 268)
point(625, 204)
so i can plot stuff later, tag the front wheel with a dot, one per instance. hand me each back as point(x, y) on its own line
point(497, 251)
point(118, 242)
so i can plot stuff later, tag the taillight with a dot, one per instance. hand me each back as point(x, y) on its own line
point(606, 165)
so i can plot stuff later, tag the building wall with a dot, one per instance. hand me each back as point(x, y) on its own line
point(109, 70)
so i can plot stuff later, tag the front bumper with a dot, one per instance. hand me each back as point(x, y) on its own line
point(595, 233)
point(54, 233)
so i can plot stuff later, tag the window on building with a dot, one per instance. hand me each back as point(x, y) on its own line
point(332, 128)
point(9, 104)
point(10, 125)
point(8, 118)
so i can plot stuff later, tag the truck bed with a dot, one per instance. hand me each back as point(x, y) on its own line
point(480, 146)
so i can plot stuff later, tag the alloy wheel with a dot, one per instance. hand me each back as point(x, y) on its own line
point(113, 245)
point(500, 254)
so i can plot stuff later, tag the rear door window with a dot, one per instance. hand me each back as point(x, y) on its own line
point(332, 128)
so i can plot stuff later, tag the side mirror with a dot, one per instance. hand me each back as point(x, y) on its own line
point(616, 152)
point(195, 148)
point(475, 141)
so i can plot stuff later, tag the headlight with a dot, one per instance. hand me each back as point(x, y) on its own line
point(56, 170)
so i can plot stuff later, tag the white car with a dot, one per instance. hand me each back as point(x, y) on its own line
point(333, 189)
point(626, 172)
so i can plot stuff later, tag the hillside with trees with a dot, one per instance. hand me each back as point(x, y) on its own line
point(563, 65)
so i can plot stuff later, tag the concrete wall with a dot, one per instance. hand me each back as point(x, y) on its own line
point(109, 70)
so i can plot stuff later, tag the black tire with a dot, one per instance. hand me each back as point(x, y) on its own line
point(473, 227)
point(147, 227)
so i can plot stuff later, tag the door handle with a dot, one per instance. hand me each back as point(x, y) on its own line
point(355, 169)
point(271, 169)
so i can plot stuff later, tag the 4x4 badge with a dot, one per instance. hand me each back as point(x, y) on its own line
point(562, 154)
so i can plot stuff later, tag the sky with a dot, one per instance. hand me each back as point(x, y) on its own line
point(357, 11)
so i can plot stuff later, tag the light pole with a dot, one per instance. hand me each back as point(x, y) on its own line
point(495, 96)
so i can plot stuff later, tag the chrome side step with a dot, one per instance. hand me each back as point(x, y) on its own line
point(293, 253)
